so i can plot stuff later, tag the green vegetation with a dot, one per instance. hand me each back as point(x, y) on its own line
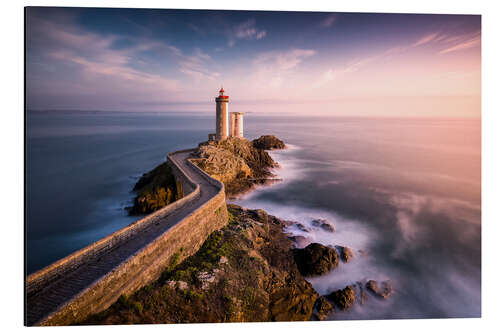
point(231, 219)
point(207, 257)
point(243, 272)
point(171, 265)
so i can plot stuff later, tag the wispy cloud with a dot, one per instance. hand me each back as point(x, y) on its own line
point(463, 45)
point(446, 42)
point(283, 60)
point(195, 65)
point(261, 34)
point(104, 67)
point(116, 70)
point(72, 46)
point(426, 39)
point(332, 74)
point(246, 30)
point(72, 61)
point(328, 21)
point(273, 70)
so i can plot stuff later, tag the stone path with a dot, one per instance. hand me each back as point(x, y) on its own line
point(43, 303)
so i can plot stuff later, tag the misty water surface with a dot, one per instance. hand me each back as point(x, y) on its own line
point(406, 192)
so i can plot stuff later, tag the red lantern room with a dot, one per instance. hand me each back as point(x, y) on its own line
point(221, 93)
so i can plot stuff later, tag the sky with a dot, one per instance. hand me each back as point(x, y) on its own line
point(349, 64)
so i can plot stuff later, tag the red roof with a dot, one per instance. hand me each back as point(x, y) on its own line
point(221, 90)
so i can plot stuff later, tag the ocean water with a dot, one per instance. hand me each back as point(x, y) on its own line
point(81, 168)
point(404, 194)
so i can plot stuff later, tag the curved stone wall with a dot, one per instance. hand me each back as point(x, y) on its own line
point(145, 265)
point(41, 278)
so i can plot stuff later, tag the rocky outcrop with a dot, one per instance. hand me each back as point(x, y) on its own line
point(293, 301)
point(343, 298)
point(300, 241)
point(177, 284)
point(222, 163)
point(268, 142)
point(362, 293)
point(323, 224)
point(302, 227)
point(244, 272)
point(316, 259)
point(154, 190)
point(236, 163)
point(322, 309)
point(385, 290)
point(346, 253)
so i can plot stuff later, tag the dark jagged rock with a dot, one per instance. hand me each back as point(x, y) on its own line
point(362, 293)
point(288, 223)
point(343, 298)
point(385, 290)
point(301, 241)
point(302, 227)
point(322, 309)
point(293, 302)
point(155, 189)
point(323, 224)
point(346, 253)
point(315, 259)
point(268, 142)
point(260, 214)
point(244, 272)
point(327, 227)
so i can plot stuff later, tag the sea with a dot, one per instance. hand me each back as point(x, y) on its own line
point(403, 193)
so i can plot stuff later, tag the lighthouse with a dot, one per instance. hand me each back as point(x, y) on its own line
point(221, 121)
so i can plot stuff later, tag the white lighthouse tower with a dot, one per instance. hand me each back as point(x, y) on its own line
point(221, 121)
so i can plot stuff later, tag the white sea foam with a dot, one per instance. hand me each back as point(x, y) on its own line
point(442, 293)
point(348, 232)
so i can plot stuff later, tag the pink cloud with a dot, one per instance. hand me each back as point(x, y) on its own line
point(246, 30)
point(426, 39)
point(467, 44)
point(283, 60)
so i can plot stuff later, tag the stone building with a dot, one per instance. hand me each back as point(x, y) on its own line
point(221, 110)
point(224, 127)
point(236, 124)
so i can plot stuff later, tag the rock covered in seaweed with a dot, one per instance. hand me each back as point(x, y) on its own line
point(316, 259)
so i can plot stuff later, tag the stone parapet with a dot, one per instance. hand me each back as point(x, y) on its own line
point(146, 264)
